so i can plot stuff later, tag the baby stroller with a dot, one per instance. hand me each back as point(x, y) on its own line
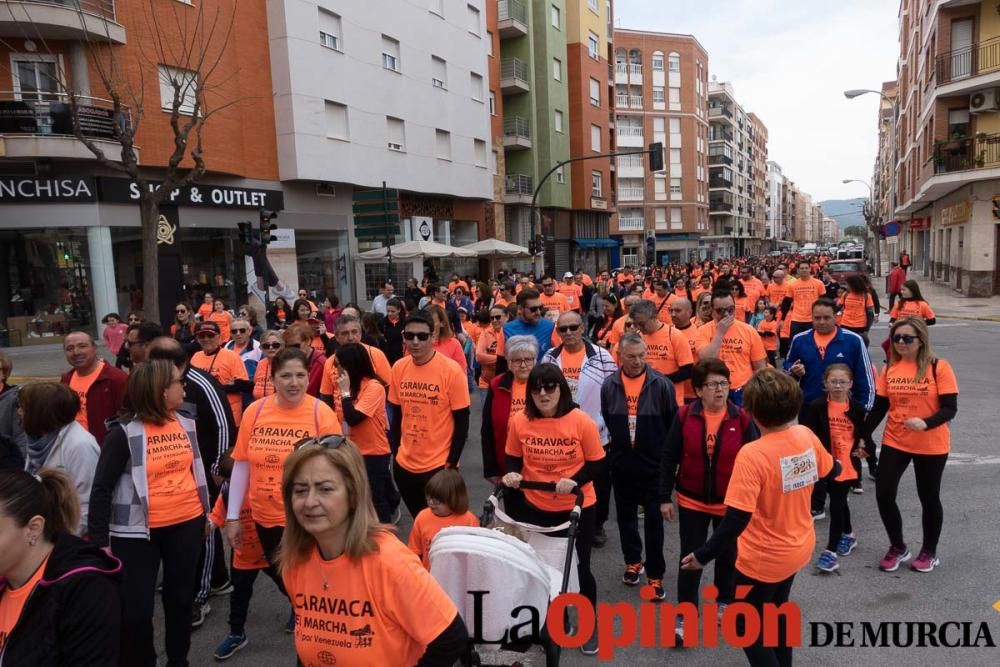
point(503, 575)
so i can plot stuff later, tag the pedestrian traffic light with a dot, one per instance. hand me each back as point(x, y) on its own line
point(651, 249)
point(246, 232)
point(539, 245)
point(266, 226)
point(996, 207)
point(531, 247)
point(656, 156)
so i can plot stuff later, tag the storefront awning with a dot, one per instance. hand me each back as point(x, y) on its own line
point(596, 243)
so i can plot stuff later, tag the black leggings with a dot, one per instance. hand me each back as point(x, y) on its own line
point(861, 331)
point(411, 487)
point(239, 600)
point(630, 492)
point(840, 513)
point(178, 547)
point(762, 593)
point(928, 470)
point(270, 540)
point(380, 482)
point(694, 527)
point(528, 513)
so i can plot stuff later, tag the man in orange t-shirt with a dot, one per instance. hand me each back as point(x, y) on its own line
point(797, 306)
point(681, 312)
point(429, 418)
point(222, 364)
point(571, 290)
point(667, 350)
point(348, 330)
point(734, 342)
point(551, 299)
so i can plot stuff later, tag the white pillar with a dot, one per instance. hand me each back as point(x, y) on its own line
point(79, 68)
point(102, 274)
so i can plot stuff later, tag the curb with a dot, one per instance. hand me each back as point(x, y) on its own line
point(27, 379)
point(969, 317)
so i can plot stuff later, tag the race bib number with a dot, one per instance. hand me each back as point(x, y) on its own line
point(798, 471)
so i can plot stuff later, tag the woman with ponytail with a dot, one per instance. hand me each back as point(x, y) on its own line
point(59, 596)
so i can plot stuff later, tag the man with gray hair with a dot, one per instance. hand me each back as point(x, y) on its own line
point(681, 316)
point(638, 405)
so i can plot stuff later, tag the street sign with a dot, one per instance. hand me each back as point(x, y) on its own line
point(376, 213)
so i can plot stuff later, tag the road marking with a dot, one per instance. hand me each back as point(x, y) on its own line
point(958, 458)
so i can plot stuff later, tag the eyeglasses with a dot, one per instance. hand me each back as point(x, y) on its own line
point(496, 318)
point(545, 387)
point(522, 362)
point(243, 313)
point(567, 329)
point(905, 339)
point(720, 384)
point(419, 335)
point(270, 346)
point(838, 383)
point(181, 311)
point(239, 331)
point(207, 334)
point(331, 441)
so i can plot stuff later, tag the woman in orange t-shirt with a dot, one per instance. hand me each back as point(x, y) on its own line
point(858, 308)
point(554, 441)
point(919, 393)
point(270, 344)
point(444, 339)
point(152, 456)
point(222, 318)
point(911, 304)
point(345, 570)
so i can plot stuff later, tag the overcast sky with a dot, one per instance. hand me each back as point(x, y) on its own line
point(789, 62)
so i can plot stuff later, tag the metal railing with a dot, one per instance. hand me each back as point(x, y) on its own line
point(630, 162)
point(973, 60)
point(720, 206)
point(50, 114)
point(519, 184)
point(628, 68)
point(629, 131)
point(631, 224)
point(514, 68)
point(630, 194)
point(977, 152)
point(719, 111)
point(719, 159)
point(719, 182)
point(621, 101)
point(515, 126)
point(719, 136)
point(635, 101)
point(512, 10)
point(102, 8)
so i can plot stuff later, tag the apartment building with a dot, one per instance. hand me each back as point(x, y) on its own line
point(757, 187)
point(731, 175)
point(661, 95)
point(775, 203)
point(70, 240)
point(948, 139)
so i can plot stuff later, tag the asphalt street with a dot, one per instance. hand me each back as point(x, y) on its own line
point(963, 589)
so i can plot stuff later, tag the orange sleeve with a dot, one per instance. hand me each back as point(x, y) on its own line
point(394, 381)
point(868, 302)
point(682, 350)
point(218, 515)
point(894, 313)
point(328, 422)
point(370, 399)
point(881, 386)
point(590, 439)
point(421, 608)
point(513, 446)
point(458, 389)
point(947, 383)
point(326, 386)
point(925, 311)
point(381, 364)
point(757, 351)
point(745, 483)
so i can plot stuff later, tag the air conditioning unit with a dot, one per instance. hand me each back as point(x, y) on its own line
point(326, 189)
point(984, 101)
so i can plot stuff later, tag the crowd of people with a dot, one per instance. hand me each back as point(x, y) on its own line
point(736, 399)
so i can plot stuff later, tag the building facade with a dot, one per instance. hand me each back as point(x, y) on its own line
point(661, 91)
point(948, 139)
point(775, 203)
point(757, 187)
point(731, 174)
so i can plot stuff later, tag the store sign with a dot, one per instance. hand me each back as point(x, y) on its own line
point(125, 191)
point(954, 214)
point(31, 190)
point(920, 223)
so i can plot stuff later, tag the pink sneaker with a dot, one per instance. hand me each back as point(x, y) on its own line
point(894, 558)
point(925, 562)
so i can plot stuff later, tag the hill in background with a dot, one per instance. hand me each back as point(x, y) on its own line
point(846, 212)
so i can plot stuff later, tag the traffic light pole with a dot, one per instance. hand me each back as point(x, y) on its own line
point(537, 266)
point(388, 236)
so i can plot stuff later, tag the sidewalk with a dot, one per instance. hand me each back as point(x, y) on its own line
point(948, 303)
point(43, 362)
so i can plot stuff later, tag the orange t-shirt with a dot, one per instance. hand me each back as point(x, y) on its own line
point(268, 433)
point(712, 424)
point(804, 293)
point(518, 398)
point(663, 307)
point(81, 384)
point(204, 310)
point(911, 308)
point(369, 435)
point(742, 303)
point(822, 341)
point(841, 439)
point(855, 313)
point(741, 346)
point(553, 449)
point(13, 600)
point(486, 355)
point(263, 385)
point(250, 554)
point(754, 289)
point(786, 328)
point(617, 331)
point(426, 527)
point(908, 398)
point(633, 387)
point(557, 301)
point(773, 479)
point(770, 342)
point(357, 612)
point(776, 293)
point(667, 349)
point(690, 334)
point(427, 395)
point(226, 367)
point(572, 363)
point(379, 362)
point(225, 321)
point(173, 492)
point(572, 292)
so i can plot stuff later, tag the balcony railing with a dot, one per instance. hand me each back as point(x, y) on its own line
point(630, 194)
point(631, 224)
point(719, 159)
point(719, 182)
point(514, 68)
point(719, 111)
point(512, 10)
point(977, 152)
point(519, 184)
point(515, 126)
point(717, 206)
point(720, 135)
point(102, 8)
point(973, 60)
point(635, 101)
point(50, 114)
point(630, 162)
point(621, 101)
point(629, 131)
point(628, 68)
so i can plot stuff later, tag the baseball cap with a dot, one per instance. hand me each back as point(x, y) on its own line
point(207, 327)
point(568, 274)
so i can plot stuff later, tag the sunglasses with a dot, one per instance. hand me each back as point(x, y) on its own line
point(545, 387)
point(270, 346)
point(534, 309)
point(725, 311)
point(496, 318)
point(239, 330)
point(181, 311)
point(905, 339)
point(244, 313)
point(332, 441)
point(419, 335)
point(567, 329)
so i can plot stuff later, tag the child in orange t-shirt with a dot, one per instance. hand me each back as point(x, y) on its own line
point(768, 330)
point(447, 505)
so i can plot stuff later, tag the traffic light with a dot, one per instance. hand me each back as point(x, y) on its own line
point(266, 226)
point(651, 249)
point(996, 207)
point(246, 232)
point(539, 245)
point(656, 156)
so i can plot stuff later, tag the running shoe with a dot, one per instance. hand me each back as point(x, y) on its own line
point(224, 589)
point(199, 614)
point(925, 562)
point(818, 514)
point(894, 558)
point(641, 512)
point(590, 646)
point(230, 645)
point(632, 572)
point(658, 592)
point(848, 543)
point(600, 538)
point(827, 562)
point(679, 632)
point(290, 624)
point(858, 488)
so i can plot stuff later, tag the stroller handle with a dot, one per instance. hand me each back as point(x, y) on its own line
point(546, 486)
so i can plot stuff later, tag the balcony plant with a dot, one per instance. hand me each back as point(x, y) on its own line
point(980, 159)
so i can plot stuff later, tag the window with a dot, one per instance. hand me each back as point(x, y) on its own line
point(657, 62)
point(659, 187)
point(958, 122)
point(558, 121)
point(592, 5)
point(675, 156)
point(596, 184)
point(37, 76)
point(660, 216)
point(675, 188)
point(473, 20)
point(479, 150)
point(396, 133)
point(493, 103)
point(390, 53)
point(329, 30)
point(557, 69)
point(556, 18)
point(336, 121)
point(674, 62)
point(595, 138)
point(676, 221)
point(595, 92)
point(178, 86)
point(593, 46)
point(476, 84)
point(658, 95)
point(437, 7)
point(675, 126)
point(442, 141)
point(630, 256)
point(439, 73)
point(675, 97)
point(560, 175)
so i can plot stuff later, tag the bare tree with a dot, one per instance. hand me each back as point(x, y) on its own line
point(192, 73)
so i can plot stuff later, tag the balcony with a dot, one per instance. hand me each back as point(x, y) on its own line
point(628, 73)
point(518, 189)
point(979, 152)
point(516, 133)
point(631, 224)
point(75, 20)
point(720, 113)
point(631, 166)
point(716, 133)
point(621, 101)
point(630, 194)
point(512, 20)
point(719, 159)
point(514, 76)
point(629, 135)
point(968, 62)
point(33, 128)
point(719, 182)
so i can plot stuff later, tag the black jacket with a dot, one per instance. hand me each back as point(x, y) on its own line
point(73, 617)
point(654, 416)
point(213, 418)
point(816, 418)
point(393, 343)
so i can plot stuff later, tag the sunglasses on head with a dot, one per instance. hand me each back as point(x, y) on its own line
point(331, 441)
point(568, 328)
point(419, 335)
point(906, 339)
point(547, 387)
point(270, 346)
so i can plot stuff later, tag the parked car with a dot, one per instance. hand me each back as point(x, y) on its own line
point(842, 268)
